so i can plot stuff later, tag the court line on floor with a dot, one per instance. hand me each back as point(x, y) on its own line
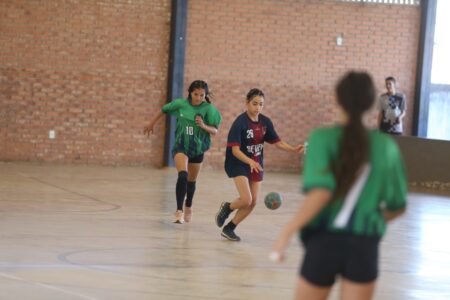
point(114, 206)
point(47, 286)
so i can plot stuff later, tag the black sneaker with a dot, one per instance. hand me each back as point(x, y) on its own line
point(230, 235)
point(223, 213)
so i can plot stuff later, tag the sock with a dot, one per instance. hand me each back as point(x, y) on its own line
point(180, 189)
point(190, 193)
point(231, 226)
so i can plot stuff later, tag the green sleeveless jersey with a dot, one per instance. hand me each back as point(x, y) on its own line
point(382, 184)
point(189, 138)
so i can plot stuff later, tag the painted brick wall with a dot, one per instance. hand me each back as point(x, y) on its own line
point(93, 71)
point(288, 49)
point(96, 71)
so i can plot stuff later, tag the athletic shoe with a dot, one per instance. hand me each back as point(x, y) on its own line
point(187, 214)
point(223, 213)
point(230, 235)
point(179, 218)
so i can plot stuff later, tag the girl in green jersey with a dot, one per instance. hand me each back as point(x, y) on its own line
point(354, 183)
point(197, 121)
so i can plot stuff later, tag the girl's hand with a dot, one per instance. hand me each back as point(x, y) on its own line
point(255, 166)
point(148, 129)
point(287, 147)
point(299, 148)
point(278, 249)
point(199, 121)
point(277, 253)
point(276, 256)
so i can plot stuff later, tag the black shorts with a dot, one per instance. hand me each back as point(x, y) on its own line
point(235, 170)
point(330, 254)
point(192, 160)
point(196, 160)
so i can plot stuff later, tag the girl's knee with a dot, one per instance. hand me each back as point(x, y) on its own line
point(246, 201)
point(250, 203)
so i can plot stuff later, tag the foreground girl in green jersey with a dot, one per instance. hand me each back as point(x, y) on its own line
point(354, 183)
point(197, 120)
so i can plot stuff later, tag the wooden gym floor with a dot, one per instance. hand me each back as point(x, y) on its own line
point(89, 232)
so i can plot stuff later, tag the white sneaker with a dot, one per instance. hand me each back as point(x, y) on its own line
point(187, 214)
point(179, 218)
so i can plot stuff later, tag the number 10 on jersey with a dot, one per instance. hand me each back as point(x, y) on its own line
point(189, 130)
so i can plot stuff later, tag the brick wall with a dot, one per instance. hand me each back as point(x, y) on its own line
point(96, 71)
point(288, 49)
point(93, 71)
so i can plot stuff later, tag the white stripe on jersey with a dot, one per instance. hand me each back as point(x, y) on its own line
point(351, 199)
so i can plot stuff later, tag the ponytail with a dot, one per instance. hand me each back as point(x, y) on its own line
point(356, 94)
point(353, 153)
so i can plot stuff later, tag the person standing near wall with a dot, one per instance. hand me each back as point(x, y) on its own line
point(392, 109)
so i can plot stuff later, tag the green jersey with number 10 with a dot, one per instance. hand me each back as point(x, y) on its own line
point(190, 139)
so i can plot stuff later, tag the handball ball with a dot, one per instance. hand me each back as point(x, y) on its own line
point(272, 200)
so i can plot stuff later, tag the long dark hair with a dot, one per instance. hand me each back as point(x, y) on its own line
point(356, 94)
point(199, 84)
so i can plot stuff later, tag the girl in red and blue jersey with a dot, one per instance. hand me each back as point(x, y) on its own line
point(244, 160)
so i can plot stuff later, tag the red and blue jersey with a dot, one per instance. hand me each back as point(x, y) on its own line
point(250, 137)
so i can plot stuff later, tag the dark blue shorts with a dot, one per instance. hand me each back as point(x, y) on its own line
point(330, 254)
point(235, 170)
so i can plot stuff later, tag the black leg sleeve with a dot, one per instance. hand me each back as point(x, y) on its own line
point(181, 189)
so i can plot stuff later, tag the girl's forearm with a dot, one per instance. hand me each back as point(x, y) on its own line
point(210, 129)
point(240, 155)
point(313, 203)
point(285, 146)
point(390, 215)
point(157, 117)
